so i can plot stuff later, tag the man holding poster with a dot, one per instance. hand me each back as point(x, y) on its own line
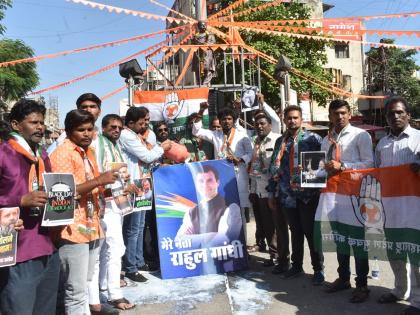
point(22, 163)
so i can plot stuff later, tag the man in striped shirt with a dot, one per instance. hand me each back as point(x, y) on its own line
point(400, 146)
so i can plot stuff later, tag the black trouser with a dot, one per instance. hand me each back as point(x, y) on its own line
point(266, 225)
point(362, 269)
point(282, 235)
point(150, 237)
point(301, 223)
point(259, 230)
point(30, 287)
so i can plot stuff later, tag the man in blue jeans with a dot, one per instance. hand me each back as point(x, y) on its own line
point(140, 155)
point(347, 147)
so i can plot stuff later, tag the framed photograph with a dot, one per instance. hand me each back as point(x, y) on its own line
point(314, 174)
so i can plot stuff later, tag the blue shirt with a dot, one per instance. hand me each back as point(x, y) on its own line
point(280, 176)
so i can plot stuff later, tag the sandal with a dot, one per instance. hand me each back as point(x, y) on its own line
point(388, 298)
point(117, 304)
point(123, 283)
point(359, 295)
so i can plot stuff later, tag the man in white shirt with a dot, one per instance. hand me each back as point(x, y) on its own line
point(401, 146)
point(347, 147)
point(140, 156)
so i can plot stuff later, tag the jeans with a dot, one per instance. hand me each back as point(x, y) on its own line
point(77, 265)
point(301, 223)
point(133, 229)
point(282, 233)
point(362, 269)
point(30, 287)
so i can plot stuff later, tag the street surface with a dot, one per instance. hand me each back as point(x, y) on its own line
point(257, 291)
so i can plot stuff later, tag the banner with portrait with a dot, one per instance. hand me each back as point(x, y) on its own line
point(371, 213)
point(8, 236)
point(199, 221)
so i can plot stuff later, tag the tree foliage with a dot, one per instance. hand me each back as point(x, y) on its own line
point(17, 80)
point(393, 72)
point(4, 5)
point(305, 54)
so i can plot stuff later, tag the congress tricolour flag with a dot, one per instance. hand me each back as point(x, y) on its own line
point(173, 106)
point(376, 212)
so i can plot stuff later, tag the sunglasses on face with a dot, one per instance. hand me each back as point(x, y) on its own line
point(162, 129)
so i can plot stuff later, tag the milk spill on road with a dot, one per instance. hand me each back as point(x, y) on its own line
point(245, 292)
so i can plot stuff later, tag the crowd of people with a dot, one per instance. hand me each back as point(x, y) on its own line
point(63, 269)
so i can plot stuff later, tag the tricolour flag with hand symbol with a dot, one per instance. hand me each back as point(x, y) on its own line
point(374, 212)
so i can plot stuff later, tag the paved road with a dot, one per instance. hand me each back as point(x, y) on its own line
point(256, 291)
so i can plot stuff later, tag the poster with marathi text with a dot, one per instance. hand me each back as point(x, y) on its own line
point(200, 226)
point(8, 236)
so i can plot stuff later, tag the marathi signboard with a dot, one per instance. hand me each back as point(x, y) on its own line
point(199, 219)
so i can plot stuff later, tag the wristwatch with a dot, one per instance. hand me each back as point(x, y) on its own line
point(342, 167)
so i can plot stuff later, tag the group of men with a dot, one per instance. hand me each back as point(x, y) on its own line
point(83, 258)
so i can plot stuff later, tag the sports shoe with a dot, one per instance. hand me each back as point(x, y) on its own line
point(148, 267)
point(318, 278)
point(292, 273)
point(135, 276)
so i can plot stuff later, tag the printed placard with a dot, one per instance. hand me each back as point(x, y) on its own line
point(143, 200)
point(121, 199)
point(314, 174)
point(8, 236)
point(199, 219)
point(59, 210)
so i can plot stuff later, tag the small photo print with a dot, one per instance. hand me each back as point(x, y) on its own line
point(314, 174)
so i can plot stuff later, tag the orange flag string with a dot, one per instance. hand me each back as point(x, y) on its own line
point(103, 69)
point(254, 9)
point(317, 37)
point(110, 94)
point(227, 10)
point(119, 10)
point(89, 48)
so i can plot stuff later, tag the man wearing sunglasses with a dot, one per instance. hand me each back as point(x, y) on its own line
point(107, 272)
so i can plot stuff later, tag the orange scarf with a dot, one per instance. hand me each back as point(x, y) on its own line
point(33, 176)
point(334, 145)
point(143, 138)
point(228, 141)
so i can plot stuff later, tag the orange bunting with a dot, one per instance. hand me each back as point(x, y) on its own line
point(103, 69)
point(318, 37)
point(119, 10)
point(110, 94)
point(89, 48)
point(226, 10)
point(255, 9)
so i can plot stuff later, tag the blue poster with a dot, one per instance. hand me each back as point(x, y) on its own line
point(199, 221)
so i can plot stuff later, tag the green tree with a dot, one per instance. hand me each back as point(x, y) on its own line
point(392, 71)
point(307, 55)
point(16, 80)
point(4, 5)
